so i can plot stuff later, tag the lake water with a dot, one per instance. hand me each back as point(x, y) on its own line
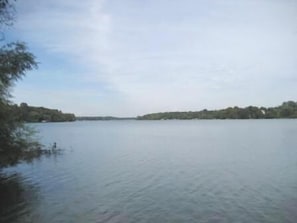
point(158, 171)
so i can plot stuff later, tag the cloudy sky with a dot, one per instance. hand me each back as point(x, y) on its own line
point(131, 57)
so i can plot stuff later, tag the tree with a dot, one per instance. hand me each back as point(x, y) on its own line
point(15, 61)
point(7, 13)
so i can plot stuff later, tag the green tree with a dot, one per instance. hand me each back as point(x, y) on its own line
point(15, 61)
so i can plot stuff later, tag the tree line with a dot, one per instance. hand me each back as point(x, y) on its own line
point(285, 110)
point(102, 118)
point(28, 113)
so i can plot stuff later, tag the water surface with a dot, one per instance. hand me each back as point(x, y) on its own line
point(158, 171)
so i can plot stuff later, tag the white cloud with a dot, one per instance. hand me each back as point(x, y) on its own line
point(78, 29)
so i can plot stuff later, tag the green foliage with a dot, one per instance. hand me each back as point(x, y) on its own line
point(286, 110)
point(16, 142)
point(15, 139)
point(15, 60)
point(40, 114)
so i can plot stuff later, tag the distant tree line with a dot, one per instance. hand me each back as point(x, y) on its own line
point(28, 113)
point(286, 110)
point(101, 118)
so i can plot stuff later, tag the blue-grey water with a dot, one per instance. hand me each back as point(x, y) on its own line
point(158, 171)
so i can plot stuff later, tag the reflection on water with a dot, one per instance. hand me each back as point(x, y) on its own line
point(16, 199)
point(158, 171)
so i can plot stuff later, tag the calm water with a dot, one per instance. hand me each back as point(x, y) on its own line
point(158, 171)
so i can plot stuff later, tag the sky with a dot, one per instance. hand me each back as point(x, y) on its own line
point(130, 57)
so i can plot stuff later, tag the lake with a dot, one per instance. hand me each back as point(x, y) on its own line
point(157, 171)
